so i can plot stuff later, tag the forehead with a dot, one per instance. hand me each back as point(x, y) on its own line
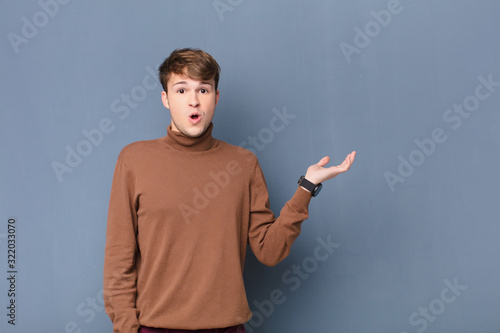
point(184, 79)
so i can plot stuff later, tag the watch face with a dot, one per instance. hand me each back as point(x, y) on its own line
point(317, 189)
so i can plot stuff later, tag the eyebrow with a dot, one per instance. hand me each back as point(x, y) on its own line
point(184, 82)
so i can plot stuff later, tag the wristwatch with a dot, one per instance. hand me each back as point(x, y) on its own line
point(311, 187)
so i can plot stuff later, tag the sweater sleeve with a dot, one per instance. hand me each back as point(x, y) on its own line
point(271, 238)
point(120, 273)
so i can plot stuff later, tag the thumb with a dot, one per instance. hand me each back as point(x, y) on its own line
point(324, 161)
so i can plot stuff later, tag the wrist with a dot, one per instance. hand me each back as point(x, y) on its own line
point(305, 189)
point(312, 179)
point(309, 186)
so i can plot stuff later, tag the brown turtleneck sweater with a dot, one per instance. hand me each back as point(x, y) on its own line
point(181, 213)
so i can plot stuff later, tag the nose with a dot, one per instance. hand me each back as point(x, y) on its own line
point(193, 99)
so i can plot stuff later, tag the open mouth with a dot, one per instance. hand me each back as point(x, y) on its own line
point(195, 118)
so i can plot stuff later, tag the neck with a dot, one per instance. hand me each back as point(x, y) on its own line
point(180, 141)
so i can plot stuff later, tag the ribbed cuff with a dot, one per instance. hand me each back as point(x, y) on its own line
point(301, 199)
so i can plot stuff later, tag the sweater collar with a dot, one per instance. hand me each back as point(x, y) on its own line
point(183, 142)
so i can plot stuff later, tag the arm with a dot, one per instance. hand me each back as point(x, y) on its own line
point(271, 238)
point(120, 253)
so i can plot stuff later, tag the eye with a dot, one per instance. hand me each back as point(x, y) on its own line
point(203, 90)
point(181, 91)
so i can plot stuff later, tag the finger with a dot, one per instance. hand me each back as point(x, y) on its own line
point(351, 156)
point(351, 159)
point(346, 164)
point(324, 161)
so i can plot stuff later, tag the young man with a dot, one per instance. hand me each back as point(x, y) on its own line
point(183, 209)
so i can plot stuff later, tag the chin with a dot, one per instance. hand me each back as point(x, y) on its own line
point(195, 131)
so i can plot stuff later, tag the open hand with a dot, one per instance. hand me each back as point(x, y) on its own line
point(317, 173)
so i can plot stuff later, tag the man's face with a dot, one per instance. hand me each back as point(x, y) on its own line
point(191, 104)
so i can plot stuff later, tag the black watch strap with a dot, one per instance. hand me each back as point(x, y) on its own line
point(311, 187)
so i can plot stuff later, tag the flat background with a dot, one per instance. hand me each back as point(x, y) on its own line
point(397, 244)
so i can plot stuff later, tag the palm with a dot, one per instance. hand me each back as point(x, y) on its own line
point(317, 173)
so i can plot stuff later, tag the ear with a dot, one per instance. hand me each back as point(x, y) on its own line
point(217, 97)
point(164, 99)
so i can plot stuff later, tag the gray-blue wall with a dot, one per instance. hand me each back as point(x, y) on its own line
point(406, 241)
